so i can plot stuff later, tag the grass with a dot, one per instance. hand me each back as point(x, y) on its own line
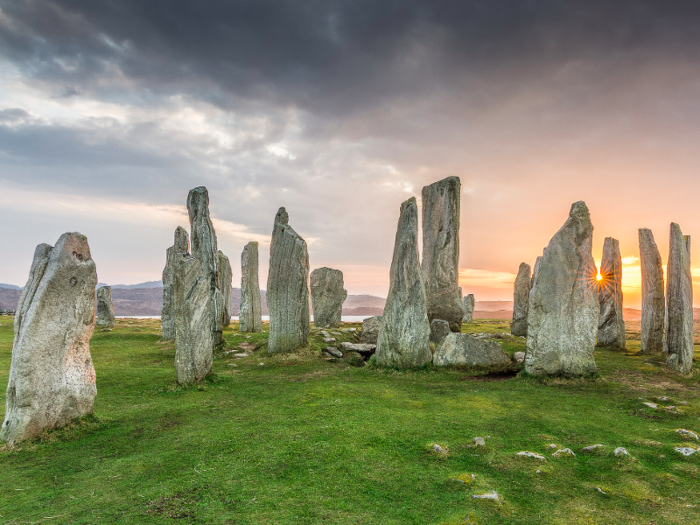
point(301, 439)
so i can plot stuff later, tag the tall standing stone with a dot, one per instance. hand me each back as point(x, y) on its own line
point(52, 378)
point(250, 313)
point(653, 298)
point(327, 297)
point(105, 309)
point(469, 304)
point(225, 285)
point(287, 287)
point(441, 251)
point(180, 246)
point(404, 337)
point(679, 301)
point(521, 299)
point(611, 325)
point(203, 247)
point(563, 309)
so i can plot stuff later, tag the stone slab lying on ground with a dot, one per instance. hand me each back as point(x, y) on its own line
point(360, 348)
point(465, 349)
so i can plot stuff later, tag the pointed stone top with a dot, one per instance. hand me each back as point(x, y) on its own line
point(581, 217)
point(75, 243)
point(409, 202)
point(282, 216)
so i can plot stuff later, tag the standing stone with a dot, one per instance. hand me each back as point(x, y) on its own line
point(225, 285)
point(193, 319)
point(404, 337)
point(180, 246)
point(203, 246)
point(611, 325)
point(370, 329)
point(521, 298)
point(105, 309)
point(287, 287)
point(250, 314)
point(327, 297)
point(52, 379)
point(679, 301)
point(469, 308)
point(439, 329)
point(563, 310)
point(653, 298)
point(441, 251)
point(536, 271)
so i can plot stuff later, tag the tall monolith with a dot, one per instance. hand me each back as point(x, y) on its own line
point(679, 303)
point(225, 285)
point(181, 245)
point(404, 337)
point(611, 325)
point(287, 288)
point(105, 308)
point(327, 297)
point(250, 313)
point(521, 299)
point(653, 297)
point(203, 247)
point(52, 378)
point(563, 309)
point(469, 304)
point(441, 251)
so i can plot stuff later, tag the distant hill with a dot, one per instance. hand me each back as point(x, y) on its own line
point(149, 284)
point(10, 286)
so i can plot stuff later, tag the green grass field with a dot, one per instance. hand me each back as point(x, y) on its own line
point(298, 439)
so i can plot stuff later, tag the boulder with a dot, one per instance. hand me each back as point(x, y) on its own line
point(611, 325)
point(287, 287)
point(521, 298)
point(370, 329)
point(465, 349)
point(439, 329)
point(180, 246)
point(653, 297)
point(679, 303)
point(327, 297)
point(52, 378)
point(105, 309)
point(361, 348)
point(441, 251)
point(404, 337)
point(225, 285)
point(468, 308)
point(250, 314)
point(563, 310)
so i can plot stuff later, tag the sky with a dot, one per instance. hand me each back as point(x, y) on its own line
point(111, 111)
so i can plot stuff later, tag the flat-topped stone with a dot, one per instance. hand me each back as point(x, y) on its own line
point(250, 314)
point(327, 297)
point(105, 308)
point(465, 349)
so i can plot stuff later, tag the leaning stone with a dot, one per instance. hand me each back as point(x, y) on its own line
point(439, 329)
point(653, 298)
point(404, 337)
point(611, 325)
point(468, 303)
point(105, 309)
point(563, 310)
point(465, 349)
point(225, 285)
point(52, 378)
point(441, 251)
point(360, 348)
point(370, 329)
point(180, 246)
point(327, 297)
point(250, 314)
point(287, 288)
point(521, 297)
point(332, 350)
point(679, 301)
point(688, 433)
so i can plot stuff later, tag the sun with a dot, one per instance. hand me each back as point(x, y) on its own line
point(598, 277)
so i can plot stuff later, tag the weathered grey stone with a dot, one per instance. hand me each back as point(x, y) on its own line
point(180, 246)
point(521, 298)
point(194, 318)
point(52, 378)
point(327, 297)
point(203, 247)
point(611, 325)
point(105, 309)
point(563, 310)
point(536, 271)
point(468, 303)
point(333, 351)
point(225, 285)
point(679, 303)
point(519, 357)
point(404, 337)
point(441, 251)
point(465, 349)
point(370, 329)
point(250, 314)
point(287, 287)
point(653, 298)
point(365, 349)
point(439, 329)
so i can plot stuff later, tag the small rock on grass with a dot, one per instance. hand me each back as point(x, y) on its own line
point(329, 339)
point(439, 450)
point(621, 451)
point(491, 495)
point(333, 351)
point(531, 455)
point(478, 441)
point(519, 357)
point(651, 405)
point(564, 452)
point(592, 448)
point(687, 433)
point(686, 451)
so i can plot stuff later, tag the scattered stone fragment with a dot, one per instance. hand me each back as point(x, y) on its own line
point(469, 303)
point(370, 329)
point(491, 495)
point(327, 296)
point(348, 329)
point(621, 451)
point(531, 455)
point(686, 451)
point(598, 489)
point(679, 303)
point(682, 402)
point(439, 329)
point(552, 445)
point(438, 449)
point(563, 310)
point(329, 339)
point(225, 285)
point(240, 355)
point(465, 478)
point(688, 433)
point(465, 349)
point(653, 298)
point(250, 314)
point(564, 452)
point(324, 333)
point(180, 246)
point(651, 405)
point(477, 442)
point(611, 325)
point(360, 348)
point(592, 448)
point(519, 357)
point(664, 398)
point(105, 309)
point(521, 298)
point(52, 378)
point(332, 350)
